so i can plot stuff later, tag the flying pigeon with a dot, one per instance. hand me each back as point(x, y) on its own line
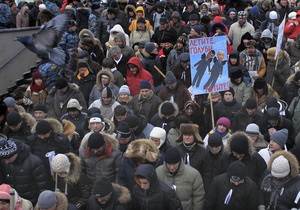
point(44, 42)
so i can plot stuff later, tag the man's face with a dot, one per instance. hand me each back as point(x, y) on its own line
point(220, 56)
point(238, 155)
point(145, 184)
point(233, 61)
point(116, 56)
point(62, 90)
point(44, 136)
point(232, 15)
point(215, 12)
point(73, 113)
point(164, 26)
point(193, 22)
point(96, 126)
point(250, 112)
point(173, 167)
point(11, 159)
point(141, 26)
point(111, 16)
point(139, 14)
point(123, 141)
point(133, 70)
point(284, 2)
point(40, 115)
point(253, 137)
point(236, 183)
point(228, 97)
point(190, 7)
point(175, 20)
point(81, 70)
point(156, 141)
point(106, 100)
point(185, 64)
point(145, 93)
point(214, 150)
point(171, 86)
point(238, 80)
point(251, 50)
point(242, 20)
point(120, 118)
point(15, 128)
point(104, 80)
point(274, 146)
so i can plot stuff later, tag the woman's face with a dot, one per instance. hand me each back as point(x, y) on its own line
point(189, 111)
point(38, 81)
point(188, 138)
point(124, 97)
point(221, 128)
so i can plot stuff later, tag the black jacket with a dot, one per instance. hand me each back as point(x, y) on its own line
point(226, 109)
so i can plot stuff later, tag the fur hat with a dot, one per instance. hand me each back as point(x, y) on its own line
point(237, 170)
point(172, 155)
point(43, 127)
point(61, 163)
point(215, 140)
point(192, 129)
point(239, 144)
point(280, 167)
point(250, 103)
point(95, 141)
point(224, 121)
point(158, 133)
point(280, 137)
point(8, 148)
point(73, 103)
point(252, 128)
point(13, 118)
point(102, 187)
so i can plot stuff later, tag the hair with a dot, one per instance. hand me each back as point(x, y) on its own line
point(114, 49)
point(120, 110)
point(108, 63)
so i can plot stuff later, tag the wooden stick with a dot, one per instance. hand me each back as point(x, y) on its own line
point(211, 110)
point(159, 71)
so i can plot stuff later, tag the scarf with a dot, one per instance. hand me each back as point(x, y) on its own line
point(188, 148)
point(79, 76)
point(36, 88)
point(106, 153)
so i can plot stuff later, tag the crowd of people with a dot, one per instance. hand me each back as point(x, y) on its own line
point(119, 129)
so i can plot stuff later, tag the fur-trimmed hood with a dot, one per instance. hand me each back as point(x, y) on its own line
point(68, 127)
point(188, 128)
point(294, 166)
point(75, 169)
point(62, 203)
point(131, 7)
point(142, 149)
point(251, 149)
point(86, 31)
point(125, 195)
point(98, 79)
point(282, 55)
point(174, 105)
point(30, 120)
point(55, 124)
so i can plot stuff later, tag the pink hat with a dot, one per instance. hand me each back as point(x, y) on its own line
point(5, 191)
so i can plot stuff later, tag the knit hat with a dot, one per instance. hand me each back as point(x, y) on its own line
point(5, 192)
point(231, 90)
point(224, 121)
point(61, 83)
point(160, 4)
point(184, 57)
point(172, 155)
point(40, 107)
point(13, 118)
point(205, 19)
point(158, 133)
point(273, 115)
point(239, 144)
point(61, 163)
point(273, 15)
point(182, 39)
point(236, 74)
point(170, 78)
point(73, 103)
point(237, 171)
point(123, 130)
point(124, 89)
point(8, 148)
point(163, 20)
point(215, 140)
point(280, 167)
point(141, 20)
point(47, 199)
point(190, 2)
point(102, 187)
point(95, 6)
point(214, 7)
point(95, 141)
point(36, 74)
point(132, 121)
point(42, 6)
point(292, 15)
point(106, 93)
point(252, 128)
point(193, 16)
point(149, 47)
point(250, 103)
point(197, 28)
point(145, 84)
point(259, 83)
point(254, 10)
point(10, 102)
point(43, 127)
point(167, 108)
point(242, 14)
point(96, 117)
point(280, 137)
point(272, 102)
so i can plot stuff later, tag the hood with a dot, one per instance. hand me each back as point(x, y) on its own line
point(87, 32)
point(136, 61)
point(266, 34)
point(75, 169)
point(251, 149)
point(174, 105)
point(230, 10)
point(121, 36)
point(282, 56)
point(216, 25)
point(109, 126)
point(139, 8)
point(24, 11)
point(98, 79)
point(117, 29)
point(147, 171)
point(125, 195)
point(82, 61)
point(131, 7)
point(30, 120)
point(176, 14)
point(55, 124)
point(294, 166)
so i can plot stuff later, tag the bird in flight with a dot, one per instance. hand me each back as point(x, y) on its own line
point(44, 43)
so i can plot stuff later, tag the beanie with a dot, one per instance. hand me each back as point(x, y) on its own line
point(167, 108)
point(92, 111)
point(172, 155)
point(43, 127)
point(205, 19)
point(214, 7)
point(132, 121)
point(163, 20)
point(95, 141)
point(61, 163)
point(259, 83)
point(292, 15)
point(124, 89)
point(5, 192)
point(36, 74)
point(280, 137)
point(254, 10)
point(123, 130)
point(8, 148)
point(158, 133)
point(145, 84)
point(47, 199)
point(242, 14)
point(73, 103)
point(236, 74)
point(102, 187)
point(252, 128)
point(10, 102)
point(239, 144)
point(170, 78)
point(141, 20)
point(95, 6)
point(61, 83)
point(184, 57)
point(250, 103)
point(13, 118)
point(272, 115)
point(215, 140)
point(197, 28)
point(273, 15)
point(272, 102)
point(96, 117)
point(237, 170)
point(40, 107)
point(193, 16)
point(280, 167)
point(182, 39)
point(231, 90)
point(224, 121)
point(106, 93)
point(149, 47)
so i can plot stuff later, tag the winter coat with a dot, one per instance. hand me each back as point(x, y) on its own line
point(75, 185)
point(254, 163)
point(159, 196)
point(82, 17)
point(244, 196)
point(241, 92)
point(289, 90)
point(294, 113)
point(160, 34)
point(120, 201)
point(144, 128)
point(55, 109)
point(140, 36)
point(106, 164)
point(236, 32)
point(133, 80)
point(188, 182)
point(173, 58)
point(96, 92)
point(291, 30)
point(226, 109)
point(44, 16)
point(36, 97)
point(119, 80)
point(133, 24)
point(293, 50)
point(27, 174)
point(22, 19)
point(261, 101)
point(183, 75)
point(118, 29)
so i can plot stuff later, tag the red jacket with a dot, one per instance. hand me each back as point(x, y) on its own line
point(133, 81)
point(291, 31)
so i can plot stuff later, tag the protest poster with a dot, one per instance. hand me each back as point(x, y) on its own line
point(209, 68)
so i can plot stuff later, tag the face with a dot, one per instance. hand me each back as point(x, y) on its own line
point(63, 90)
point(171, 86)
point(221, 128)
point(139, 14)
point(38, 81)
point(232, 16)
point(190, 7)
point(104, 199)
point(43, 136)
point(97, 151)
point(214, 150)
point(123, 97)
point(141, 26)
point(133, 70)
point(104, 80)
point(40, 115)
point(193, 22)
point(73, 28)
point(119, 42)
point(188, 138)
point(228, 97)
point(106, 100)
point(274, 146)
point(260, 91)
point(155, 140)
point(110, 16)
point(120, 118)
point(236, 183)
point(220, 56)
point(124, 140)
point(210, 55)
point(284, 2)
point(145, 93)
point(96, 126)
point(173, 167)
point(73, 113)
point(238, 155)
point(189, 111)
point(251, 50)
point(253, 137)
point(81, 70)
point(215, 12)
point(144, 184)
point(164, 26)
point(194, 33)
point(116, 56)
point(11, 159)
point(233, 60)
point(242, 20)
point(15, 128)
point(250, 112)
point(179, 45)
point(185, 64)
point(4, 205)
